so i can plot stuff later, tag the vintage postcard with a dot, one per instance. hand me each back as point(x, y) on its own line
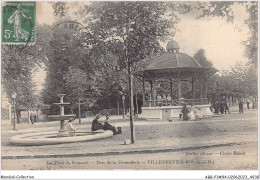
point(130, 85)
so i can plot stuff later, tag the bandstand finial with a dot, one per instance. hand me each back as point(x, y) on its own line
point(172, 46)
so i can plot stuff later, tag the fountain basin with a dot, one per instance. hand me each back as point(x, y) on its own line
point(60, 117)
point(50, 138)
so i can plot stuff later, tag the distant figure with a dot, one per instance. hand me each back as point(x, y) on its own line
point(254, 105)
point(221, 108)
point(70, 127)
point(240, 105)
point(169, 99)
point(159, 99)
point(216, 107)
point(18, 115)
point(164, 99)
point(32, 118)
point(247, 103)
point(108, 126)
point(185, 112)
point(226, 108)
point(96, 125)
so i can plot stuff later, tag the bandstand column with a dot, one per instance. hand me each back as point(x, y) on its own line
point(154, 93)
point(151, 83)
point(206, 86)
point(171, 88)
point(150, 95)
point(192, 87)
point(179, 86)
point(201, 87)
point(144, 103)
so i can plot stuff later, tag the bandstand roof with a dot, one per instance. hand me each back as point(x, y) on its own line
point(173, 60)
point(174, 64)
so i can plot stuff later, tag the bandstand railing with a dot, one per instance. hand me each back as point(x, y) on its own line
point(175, 102)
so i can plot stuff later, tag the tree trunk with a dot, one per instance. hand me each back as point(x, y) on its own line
point(131, 99)
point(79, 112)
point(117, 107)
point(28, 113)
point(136, 101)
point(10, 112)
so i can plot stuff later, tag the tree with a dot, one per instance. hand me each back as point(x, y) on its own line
point(18, 64)
point(71, 68)
point(238, 82)
point(131, 31)
point(17, 68)
point(251, 43)
point(201, 58)
point(81, 86)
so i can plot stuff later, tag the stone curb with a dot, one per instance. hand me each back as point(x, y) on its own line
point(122, 152)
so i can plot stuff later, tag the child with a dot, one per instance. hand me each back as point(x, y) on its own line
point(70, 127)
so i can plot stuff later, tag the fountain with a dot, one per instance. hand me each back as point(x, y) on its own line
point(62, 117)
point(63, 136)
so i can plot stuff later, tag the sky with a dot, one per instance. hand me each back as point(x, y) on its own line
point(220, 40)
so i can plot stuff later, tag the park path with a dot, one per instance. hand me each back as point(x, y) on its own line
point(151, 136)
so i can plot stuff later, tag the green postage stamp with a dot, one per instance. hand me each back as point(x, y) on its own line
point(18, 22)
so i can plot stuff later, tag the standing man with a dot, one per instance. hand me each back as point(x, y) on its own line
point(240, 107)
point(247, 103)
point(226, 108)
point(221, 107)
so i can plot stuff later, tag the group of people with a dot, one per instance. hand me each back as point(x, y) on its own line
point(221, 107)
point(192, 112)
point(96, 125)
point(163, 100)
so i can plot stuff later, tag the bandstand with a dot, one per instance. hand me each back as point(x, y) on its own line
point(174, 67)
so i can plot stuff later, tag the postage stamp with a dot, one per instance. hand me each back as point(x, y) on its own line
point(18, 22)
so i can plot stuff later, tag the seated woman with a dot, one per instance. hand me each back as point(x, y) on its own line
point(108, 126)
point(70, 128)
point(96, 125)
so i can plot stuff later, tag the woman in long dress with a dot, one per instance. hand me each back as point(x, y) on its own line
point(96, 125)
point(192, 113)
point(185, 112)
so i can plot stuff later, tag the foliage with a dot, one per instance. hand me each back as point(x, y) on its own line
point(201, 58)
point(239, 82)
point(70, 68)
point(131, 31)
point(251, 43)
point(225, 10)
